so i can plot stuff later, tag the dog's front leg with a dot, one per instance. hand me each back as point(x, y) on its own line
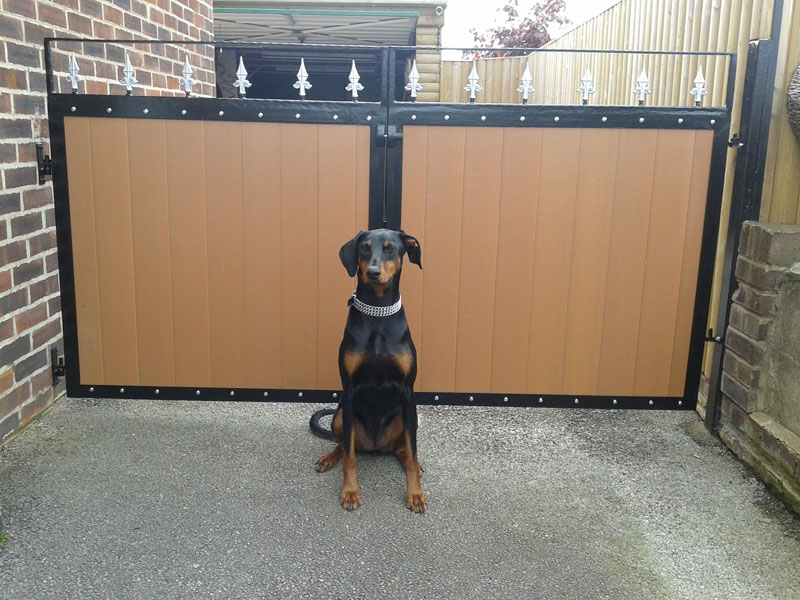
point(407, 455)
point(351, 495)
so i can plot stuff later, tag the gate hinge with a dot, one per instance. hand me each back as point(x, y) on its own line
point(57, 365)
point(44, 163)
point(735, 142)
point(717, 339)
point(391, 137)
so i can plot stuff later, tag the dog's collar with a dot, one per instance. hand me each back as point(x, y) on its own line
point(375, 311)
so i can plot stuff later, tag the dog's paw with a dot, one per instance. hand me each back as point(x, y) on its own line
point(324, 464)
point(416, 502)
point(351, 499)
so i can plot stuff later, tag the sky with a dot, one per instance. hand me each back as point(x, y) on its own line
point(461, 15)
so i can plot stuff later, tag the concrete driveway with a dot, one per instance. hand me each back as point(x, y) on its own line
point(158, 500)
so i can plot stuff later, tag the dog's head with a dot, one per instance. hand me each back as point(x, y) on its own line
point(377, 255)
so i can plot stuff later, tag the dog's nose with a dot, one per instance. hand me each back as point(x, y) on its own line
point(373, 273)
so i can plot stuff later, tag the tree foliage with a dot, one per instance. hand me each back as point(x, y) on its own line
point(518, 31)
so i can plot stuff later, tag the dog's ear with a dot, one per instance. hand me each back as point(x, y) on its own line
point(348, 254)
point(413, 248)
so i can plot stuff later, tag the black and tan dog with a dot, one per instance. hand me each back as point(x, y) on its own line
point(378, 366)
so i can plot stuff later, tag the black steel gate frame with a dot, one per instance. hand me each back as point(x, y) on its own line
point(386, 120)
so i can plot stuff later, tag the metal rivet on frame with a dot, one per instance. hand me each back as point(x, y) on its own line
point(713, 121)
point(604, 119)
point(680, 402)
point(222, 112)
point(158, 391)
point(233, 393)
point(541, 400)
point(369, 117)
point(641, 119)
point(680, 121)
point(483, 117)
point(650, 403)
point(91, 389)
point(522, 118)
point(577, 401)
point(436, 397)
point(556, 119)
point(266, 394)
point(335, 117)
point(447, 117)
point(297, 115)
point(121, 390)
point(335, 395)
point(299, 394)
point(108, 110)
point(197, 392)
point(413, 117)
point(614, 401)
point(72, 108)
point(505, 398)
point(260, 115)
point(183, 112)
point(146, 110)
point(471, 399)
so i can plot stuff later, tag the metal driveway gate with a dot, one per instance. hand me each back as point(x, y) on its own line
point(567, 250)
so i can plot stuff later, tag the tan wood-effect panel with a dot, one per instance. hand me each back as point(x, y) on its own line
point(695, 218)
point(415, 164)
point(630, 222)
point(336, 214)
point(299, 253)
point(590, 249)
point(261, 191)
point(225, 235)
point(483, 163)
point(514, 271)
point(671, 180)
point(147, 153)
point(443, 239)
point(113, 230)
point(362, 179)
point(552, 256)
point(188, 252)
point(84, 250)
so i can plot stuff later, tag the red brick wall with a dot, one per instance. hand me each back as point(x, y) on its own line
point(30, 318)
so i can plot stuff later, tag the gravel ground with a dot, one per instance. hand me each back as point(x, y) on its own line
point(160, 500)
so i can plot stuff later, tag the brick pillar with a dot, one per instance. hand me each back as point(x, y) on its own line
point(761, 365)
point(30, 309)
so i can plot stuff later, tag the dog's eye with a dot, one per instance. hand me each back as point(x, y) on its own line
point(389, 249)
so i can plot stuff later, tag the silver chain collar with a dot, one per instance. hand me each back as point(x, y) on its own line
point(376, 311)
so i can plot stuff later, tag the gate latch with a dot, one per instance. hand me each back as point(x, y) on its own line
point(717, 339)
point(57, 365)
point(390, 137)
point(735, 142)
point(44, 163)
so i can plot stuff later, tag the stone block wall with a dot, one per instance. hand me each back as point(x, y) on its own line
point(30, 310)
point(761, 365)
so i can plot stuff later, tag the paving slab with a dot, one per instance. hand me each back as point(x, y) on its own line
point(160, 500)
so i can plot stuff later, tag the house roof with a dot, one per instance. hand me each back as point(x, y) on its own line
point(332, 22)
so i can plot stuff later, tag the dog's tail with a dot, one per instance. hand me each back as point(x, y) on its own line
point(318, 429)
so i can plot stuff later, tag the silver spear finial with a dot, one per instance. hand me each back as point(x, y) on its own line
point(586, 86)
point(526, 88)
point(354, 86)
point(699, 90)
point(302, 83)
point(241, 82)
point(187, 81)
point(129, 76)
point(473, 86)
point(74, 78)
point(413, 84)
point(643, 89)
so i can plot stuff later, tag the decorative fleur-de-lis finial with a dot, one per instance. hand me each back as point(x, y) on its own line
point(699, 90)
point(643, 89)
point(302, 83)
point(473, 86)
point(129, 76)
point(74, 78)
point(241, 82)
point(354, 86)
point(413, 84)
point(526, 88)
point(187, 81)
point(586, 86)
